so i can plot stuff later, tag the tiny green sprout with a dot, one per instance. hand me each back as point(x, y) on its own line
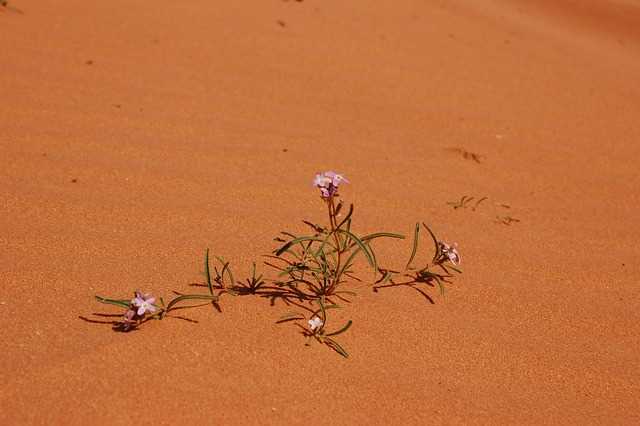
point(253, 285)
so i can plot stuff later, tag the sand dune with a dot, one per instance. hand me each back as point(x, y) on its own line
point(135, 134)
point(608, 19)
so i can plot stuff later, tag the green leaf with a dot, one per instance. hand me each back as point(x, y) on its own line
point(336, 347)
point(290, 317)
point(163, 309)
point(440, 284)
point(349, 263)
point(326, 308)
point(296, 241)
point(116, 302)
point(362, 246)
point(435, 242)
point(313, 226)
point(226, 268)
point(347, 242)
point(454, 268)
point(342, 330)
point(368, 238)
point(387, 276)
point(350, 293)
point(289, 234)
point(382, 234)
point(325, 242)
point(414, 250)
point(324, 312)
point(207, 272)
point(347, 217)
point(318, 258)
point(184, 297)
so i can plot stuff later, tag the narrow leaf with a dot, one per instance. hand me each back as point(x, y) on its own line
point(184, 297)
point(382, 234)
point(342, 330)
point(207, 272)
point(435, 242)
point(414, 250)
point(347, 217)
point(387, 276)
point(336, 347)
point(226, 268)
point(116, 302)
point(440, 284)
point(454, 268)
point(362, 247)
point(326, 308)
point(323, 310)
point(296, 241)
point(290, 317)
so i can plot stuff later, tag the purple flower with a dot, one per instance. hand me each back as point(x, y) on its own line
point(144, 303)
point(450, 253)
point(328, 183)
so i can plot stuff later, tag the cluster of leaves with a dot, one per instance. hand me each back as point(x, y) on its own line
point(311, 273)
point(317, 265)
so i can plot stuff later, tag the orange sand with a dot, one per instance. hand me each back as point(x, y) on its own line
point(173, 118)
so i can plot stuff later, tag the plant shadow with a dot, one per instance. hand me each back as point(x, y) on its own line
point(118, 325)
point(414, 282)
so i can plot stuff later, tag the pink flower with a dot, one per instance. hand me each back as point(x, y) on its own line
point(328, 183)
point(450, 253)
point(336, 179)
point(144, 303)
point(322, 180)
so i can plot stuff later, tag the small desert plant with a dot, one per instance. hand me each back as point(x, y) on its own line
point(439, 270)
point(312, 272)
point(315, 265)
point(143, 307)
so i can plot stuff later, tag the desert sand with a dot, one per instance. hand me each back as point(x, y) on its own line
point(136, 134)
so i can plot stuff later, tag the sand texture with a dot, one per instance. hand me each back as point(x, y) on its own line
point(135, 134)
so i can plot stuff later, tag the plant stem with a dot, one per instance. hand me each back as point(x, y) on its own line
point(334, 231)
